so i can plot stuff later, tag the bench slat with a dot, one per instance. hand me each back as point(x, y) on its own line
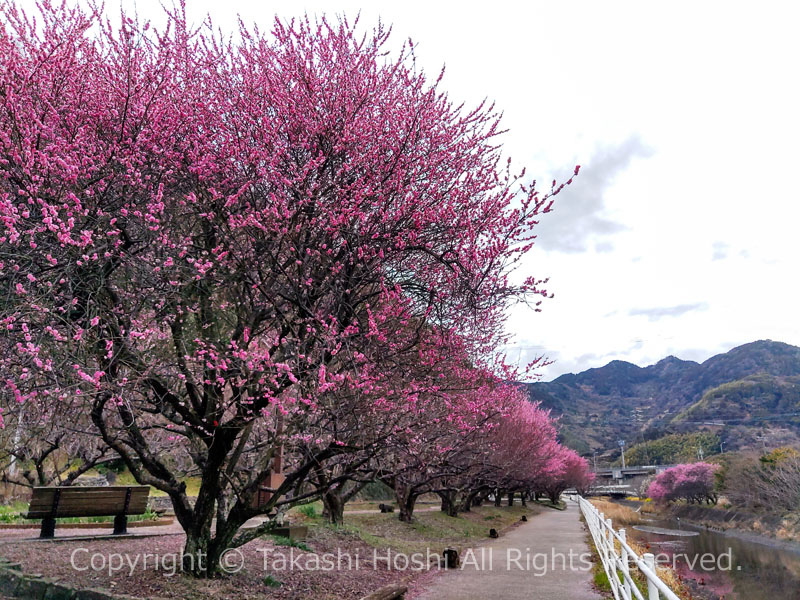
point(73, 501)
point(47, 495)
point(114, 507)
point(85, 490)
point(87, 501)
point(48, 499)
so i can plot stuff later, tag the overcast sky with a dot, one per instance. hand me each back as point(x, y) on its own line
point(681, 234)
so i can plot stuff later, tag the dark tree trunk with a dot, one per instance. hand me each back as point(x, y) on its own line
point(204, 548)
point(406, 512)
point(196, 550)
point(406, 500)
point(333, 507)
point(511, 498)
point(202, 552)
point(449, 503)
point(469, 501)
point(480, 498)
point(498, 498)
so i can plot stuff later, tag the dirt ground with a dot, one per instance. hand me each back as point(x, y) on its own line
point(336, 563)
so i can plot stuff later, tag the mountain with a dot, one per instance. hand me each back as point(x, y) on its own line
point(624, 401)
point(756, 398)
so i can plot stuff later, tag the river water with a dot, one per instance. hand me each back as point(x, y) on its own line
point(733, 568)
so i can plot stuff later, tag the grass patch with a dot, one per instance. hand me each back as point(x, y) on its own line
point(600, 579)
point(10, 513)
point(619, 514)
point(14, 514)
point(467, 529)
point(560, 505)
point(279, 540)
point(192, 484)
point(309, 510)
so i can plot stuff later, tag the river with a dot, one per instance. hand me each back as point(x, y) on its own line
point(734, 568)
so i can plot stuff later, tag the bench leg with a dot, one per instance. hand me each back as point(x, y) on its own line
point(48, 527)
point(120, 524)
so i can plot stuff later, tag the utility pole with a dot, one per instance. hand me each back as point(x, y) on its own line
point(622, 451)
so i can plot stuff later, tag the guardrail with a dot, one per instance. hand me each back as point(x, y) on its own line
point(617, 556)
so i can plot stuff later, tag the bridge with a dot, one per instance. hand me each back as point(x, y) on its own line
point(623, 481)
point(615, 491)
point(619, 473)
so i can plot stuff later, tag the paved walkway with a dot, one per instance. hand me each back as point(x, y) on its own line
point(531, 562)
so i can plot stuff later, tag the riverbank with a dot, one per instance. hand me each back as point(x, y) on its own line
point(745, 565)
point(774, 531)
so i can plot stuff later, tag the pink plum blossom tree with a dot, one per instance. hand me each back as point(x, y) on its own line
point(693, 482)
point(223, 250)
point(565, 469)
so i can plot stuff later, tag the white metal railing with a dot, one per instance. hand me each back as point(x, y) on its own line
point(616, 556)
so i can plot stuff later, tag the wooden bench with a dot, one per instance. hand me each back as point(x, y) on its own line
point(50, 503)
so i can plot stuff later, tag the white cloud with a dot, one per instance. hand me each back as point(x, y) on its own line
point(580, 218)
point(659, 312)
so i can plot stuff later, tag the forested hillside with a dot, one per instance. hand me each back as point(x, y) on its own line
point(743, 396)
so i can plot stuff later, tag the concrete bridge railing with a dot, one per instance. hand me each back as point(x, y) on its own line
point(617, 556)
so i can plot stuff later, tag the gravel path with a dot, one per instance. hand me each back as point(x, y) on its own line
point(544, 559)
point(149, 567)
point(65, 531)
